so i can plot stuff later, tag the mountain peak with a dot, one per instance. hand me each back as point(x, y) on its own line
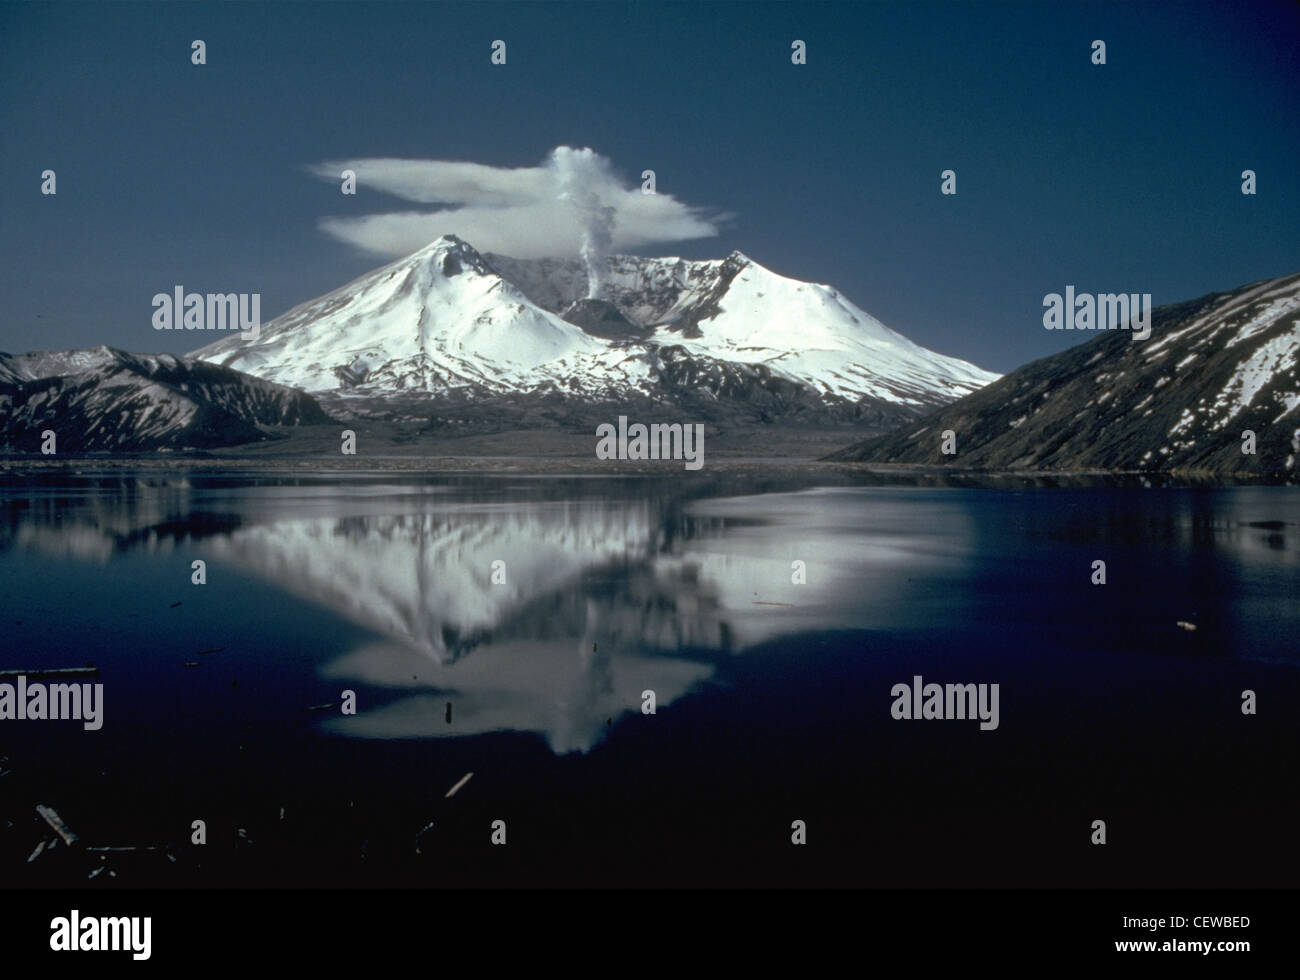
point(453, 242)
point(447, 320)
point(451, 255)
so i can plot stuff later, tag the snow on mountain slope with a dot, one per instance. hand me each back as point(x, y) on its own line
point(1216, 389)
point(435, 320)
point(449, 322)
point(106, 400)
point(736, 310)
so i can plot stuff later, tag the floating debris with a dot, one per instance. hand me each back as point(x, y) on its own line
point(1186, 625)
point(463, 780)
point(757, 603)
point(174, 605)
point(51, 817)
point(322, 707)
point(192, 663)
point(36, 853)
point(418, 837)
point(200, 653)
point(88, 671)
point(97, 872)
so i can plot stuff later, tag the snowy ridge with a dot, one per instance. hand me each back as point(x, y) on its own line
point(736, 310)
point(1216, 389)
point(446, 320)
point(106, 400)
point(435, 320)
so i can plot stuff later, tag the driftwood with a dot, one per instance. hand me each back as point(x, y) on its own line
point(53, 672)
point(463, 780)
point(420, 836)
point(56, 822)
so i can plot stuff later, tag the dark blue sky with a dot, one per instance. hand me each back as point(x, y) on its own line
point(1117, 178)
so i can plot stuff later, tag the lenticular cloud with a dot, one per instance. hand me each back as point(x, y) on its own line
point(571, 204)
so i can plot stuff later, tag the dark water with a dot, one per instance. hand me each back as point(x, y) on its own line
point(773, 698)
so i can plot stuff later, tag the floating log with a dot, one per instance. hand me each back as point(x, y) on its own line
point(53, 672)
point(463, 780)
point(51, 817)
point(420, 836)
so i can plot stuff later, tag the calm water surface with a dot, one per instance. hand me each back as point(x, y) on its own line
point(540, 609)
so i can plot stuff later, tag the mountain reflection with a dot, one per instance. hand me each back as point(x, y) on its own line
point(548, 615)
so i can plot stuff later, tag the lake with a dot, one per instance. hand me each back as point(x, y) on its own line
point(511, 625)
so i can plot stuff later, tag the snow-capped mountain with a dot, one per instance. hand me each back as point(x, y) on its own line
point(736, 310)
point(106, 400)
point(437, 320)
point(451, 323)
point(1213, 370)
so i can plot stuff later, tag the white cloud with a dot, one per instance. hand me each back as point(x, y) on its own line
point(571, 204)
